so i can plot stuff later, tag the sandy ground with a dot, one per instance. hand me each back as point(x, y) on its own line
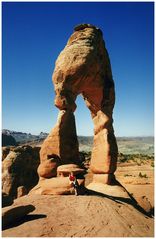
point(128, 175)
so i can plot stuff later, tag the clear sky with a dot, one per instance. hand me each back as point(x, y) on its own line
point(33, 34)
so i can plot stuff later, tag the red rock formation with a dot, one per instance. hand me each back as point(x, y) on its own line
point(48, 168)
point(62, 141)
point(55, 186)
point(83, 67)
point(19, 169)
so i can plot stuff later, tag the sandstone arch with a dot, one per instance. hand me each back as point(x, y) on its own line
point(83, 67)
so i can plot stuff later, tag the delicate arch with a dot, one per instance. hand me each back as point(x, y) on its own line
point(84, 67)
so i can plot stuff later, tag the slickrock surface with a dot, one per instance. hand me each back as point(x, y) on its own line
point(81, 216)
point(12, 214)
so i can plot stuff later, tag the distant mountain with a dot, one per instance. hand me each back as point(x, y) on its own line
point(126, 145)
point(43, 135)
point(24, 137)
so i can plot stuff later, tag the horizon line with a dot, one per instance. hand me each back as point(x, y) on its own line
point(117, 136)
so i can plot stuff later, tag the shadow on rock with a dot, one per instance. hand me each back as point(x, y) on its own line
point(131, 201)
point(26, 218)
point(6, 200)
point(14, 216)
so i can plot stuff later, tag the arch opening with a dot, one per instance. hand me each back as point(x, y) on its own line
point(84, 125)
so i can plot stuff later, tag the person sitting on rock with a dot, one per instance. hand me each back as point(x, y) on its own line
point(74, 182)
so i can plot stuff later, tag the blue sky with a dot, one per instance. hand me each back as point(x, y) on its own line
point(33, 34)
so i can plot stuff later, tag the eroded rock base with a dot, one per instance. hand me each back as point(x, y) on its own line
point(109, 190)
point(55, 186)
point(60, 185)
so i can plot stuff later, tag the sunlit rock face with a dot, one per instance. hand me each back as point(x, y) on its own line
point(19, 169)
point(83, 67)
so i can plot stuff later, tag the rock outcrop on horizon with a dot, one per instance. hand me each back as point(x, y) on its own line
point(83, 67)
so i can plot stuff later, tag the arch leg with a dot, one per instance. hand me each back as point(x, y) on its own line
point(104, 151)
point(62, 140)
